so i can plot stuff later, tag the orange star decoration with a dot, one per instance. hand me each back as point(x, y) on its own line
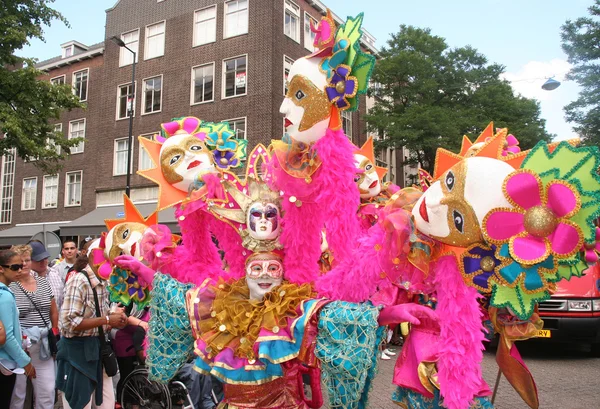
point(132, 215)
point(368, 151)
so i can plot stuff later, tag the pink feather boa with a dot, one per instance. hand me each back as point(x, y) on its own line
point(329, 201)
point(461, 337)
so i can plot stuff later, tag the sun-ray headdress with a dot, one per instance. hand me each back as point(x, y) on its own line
point(368, 151)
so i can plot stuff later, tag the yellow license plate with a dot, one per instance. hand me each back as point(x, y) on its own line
point(543, 333)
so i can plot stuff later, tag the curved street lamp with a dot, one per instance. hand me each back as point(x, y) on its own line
point(551, 84)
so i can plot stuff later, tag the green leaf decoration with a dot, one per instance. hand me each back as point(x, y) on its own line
point(362, 70)
point(351, 30)
point(522, 304)
point(571, 267)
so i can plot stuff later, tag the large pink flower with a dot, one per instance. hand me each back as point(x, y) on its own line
point(538, 226)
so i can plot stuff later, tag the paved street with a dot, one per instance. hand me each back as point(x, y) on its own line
point(567, 378)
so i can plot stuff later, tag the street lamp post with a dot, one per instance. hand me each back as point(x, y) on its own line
point(130, 105)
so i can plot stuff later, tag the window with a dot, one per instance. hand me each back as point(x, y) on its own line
point(234, 71)
point(124, 105)
point(73, 189)
point(50, 193)
point(144, 161)
point(152, 94)
point(58, 80)
point(236, 18)
point(287, 66)
point(203, 83)
point(77, 130)
point(29, 194)
point(80, 84)
point(309, 36)
point(8, 184)
point(291, 21)
point(155, 41)
point(58, 132)
point(67, 51)
point(238, 126)
point(120, 157)
point(205, 26)
point(132, 41)
point(347, 123)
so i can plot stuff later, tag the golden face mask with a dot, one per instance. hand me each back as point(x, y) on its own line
point(368, 182)
point(124, 239)
point(303, 93)
point(174, 162)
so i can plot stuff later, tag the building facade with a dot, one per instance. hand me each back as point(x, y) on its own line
point(218, 60)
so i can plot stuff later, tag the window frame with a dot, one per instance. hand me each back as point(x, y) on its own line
point(225, 6)
point(67, 189)
point(214, 6)
point(192, 88)
point(64, 78)
point(123, 50)
point(44, 205)
point(349, 119)
point(115, 157)
point(307, 18)
point(84, 132)
point(52, 145)
point(142, 151)
point(245, 118)
point(87, 85)
point(143, 103)
point(117, 118)
point(285, 61)
point(34, 194)
point(224, 73)
point(289, 5)
point(146, 38)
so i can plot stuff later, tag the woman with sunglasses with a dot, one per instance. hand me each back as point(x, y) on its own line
point(12, 354)
point(38, 314)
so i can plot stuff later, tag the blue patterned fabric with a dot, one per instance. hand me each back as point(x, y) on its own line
point(170, 340)
point(407, 399)
point(347, 345)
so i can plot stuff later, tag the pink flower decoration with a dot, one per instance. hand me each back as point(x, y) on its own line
point(539, 224)
point(591, 251)
point(512, 145)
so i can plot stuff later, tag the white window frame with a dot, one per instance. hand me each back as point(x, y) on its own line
point(223, 85)
point(226, 6)
point(71, 50)
point(147, 40)
point(125, 52)
point(67, 189)
point(54, 79)
point(308, 39)
point(287, 63)
point(142, 152)
point(349, 118)
point(44, 204)
point(196, 25)
point(144, 94)
point(70, 136)
point(294, 10)
point(58, 127)
point(115, 158)
point(23, 193)
point(245, 118)
point(87, 85)
point(127, 84)
point(193, 84)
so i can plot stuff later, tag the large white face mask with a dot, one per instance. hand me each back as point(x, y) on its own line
point(306, 107)
point(263, 221)
point(453, 207)
point(182, 158)
point(125, 239)
point(368, 182)
point(262, 276)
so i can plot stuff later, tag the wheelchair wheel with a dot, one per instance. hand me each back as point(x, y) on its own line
point(141, 393)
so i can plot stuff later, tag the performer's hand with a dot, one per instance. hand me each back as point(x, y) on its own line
point(144, 273)
point(408, 312)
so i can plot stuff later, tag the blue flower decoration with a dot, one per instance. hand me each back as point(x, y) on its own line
point(479, 264)
point(118, 280)
point(533, 274)
point(222, 140)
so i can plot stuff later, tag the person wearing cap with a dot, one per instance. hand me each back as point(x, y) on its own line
point(39, 266)
point(12, 355)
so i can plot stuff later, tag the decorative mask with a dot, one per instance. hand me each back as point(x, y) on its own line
point(182, 158)
point(125, 239)
point(453, 208)
point(368, 182)
point(262, 220)
point(264, 271)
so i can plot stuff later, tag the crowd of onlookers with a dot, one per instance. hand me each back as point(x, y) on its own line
point(40, 305)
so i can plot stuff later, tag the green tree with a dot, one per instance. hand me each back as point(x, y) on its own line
point(581, 42)
point(429, 95)
point(26, 103)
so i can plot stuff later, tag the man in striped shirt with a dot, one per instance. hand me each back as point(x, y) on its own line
point(39, 266)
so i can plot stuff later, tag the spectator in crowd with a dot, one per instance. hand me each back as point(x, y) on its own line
point(39, 266)
point(69, 253)
point(12, 354)
point(80, 375)
point(37, 315)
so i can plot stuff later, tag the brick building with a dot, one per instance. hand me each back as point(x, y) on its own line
point(214, 59)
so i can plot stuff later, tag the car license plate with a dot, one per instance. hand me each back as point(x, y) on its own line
point(543, 333)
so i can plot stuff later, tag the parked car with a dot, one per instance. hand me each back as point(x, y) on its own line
point(572, 315)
